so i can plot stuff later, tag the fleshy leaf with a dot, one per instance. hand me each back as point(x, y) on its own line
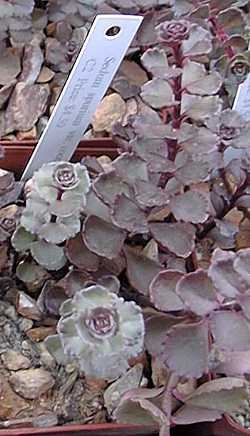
point(244, 301)
point(162, 291)
point(155, 61)
point(94, 206)
point(30, 273)
point(198, 43)
point(108, 186)
point(226, 280)
point(128, 381)
point(140, 270)
point(157, 325)
point(242, 264)
point(157, 93)
point(192, 206)
point(127, 215)
point(189, 414)
point(186, 349)
point(234, 363)
point(97, 232)
point(226, 394)
point(197, 292)
point(230, 330)
point(149, 195)
point(196, 81)
point(130, 168)
point(48, 255)
point(176, 237)
point(199, 108)
point(80, 256)
point(22, 240)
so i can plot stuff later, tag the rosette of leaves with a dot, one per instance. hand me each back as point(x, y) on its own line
point(52, 212)
point(100, 331)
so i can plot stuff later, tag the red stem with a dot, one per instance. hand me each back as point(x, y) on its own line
point(222, 36)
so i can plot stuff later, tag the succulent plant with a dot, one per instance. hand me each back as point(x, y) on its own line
point(100, 331)
point(52, 212)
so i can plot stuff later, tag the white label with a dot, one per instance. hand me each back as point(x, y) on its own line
point(242, 99)
point(93, 71)
point(241, 105)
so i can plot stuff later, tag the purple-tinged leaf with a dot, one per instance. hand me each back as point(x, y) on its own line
point(150, 126)
point(235, 363)
point(149, 149)
point(225, 279)
point(175, 237)
point(189, 171)
point(149, 195)
point(242, 265)
point(127, 215)
point(155, 61)
point(102, 238)
point(200, 108)
point(226, 394)
point(140, 270)
point(198, 43)
point(196, 81)
point(131, 412)
point(94, 206)
point(162, 291)
point(186, 349)
point(192, 206)
point(243, 201)
point(197, 292)
point(130, 168)
point(108, 186)
point(197, 140)
point(80, 256)
point(230, 330)
point(157, 325)
point(189, 414)
point(158, 93)
point(244, 301)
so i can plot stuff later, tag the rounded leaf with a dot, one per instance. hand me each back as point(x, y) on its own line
point(192, 206)
point(103, 238)
point(48, 255)
point(197, 292)
point(157, 93)
point(175, 237)
point(186, 349)
point(80, 256)
point(163, 291)
point(127, 215)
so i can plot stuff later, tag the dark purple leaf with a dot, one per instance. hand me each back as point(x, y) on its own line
point(80, 256)
point(175, 237)
point(103, 238)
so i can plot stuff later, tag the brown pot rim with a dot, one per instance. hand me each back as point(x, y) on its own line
point(96, 142)
point(70, 429)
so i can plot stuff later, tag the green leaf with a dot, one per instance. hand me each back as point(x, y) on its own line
point(158, 93)
point(48, 255)
point(22, 239)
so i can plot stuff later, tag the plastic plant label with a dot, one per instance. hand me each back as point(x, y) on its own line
point(241, 105)
point(98, 61)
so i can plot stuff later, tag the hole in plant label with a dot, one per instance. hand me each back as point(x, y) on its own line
point(113, 31)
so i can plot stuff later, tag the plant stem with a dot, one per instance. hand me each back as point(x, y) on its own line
point(221, 35)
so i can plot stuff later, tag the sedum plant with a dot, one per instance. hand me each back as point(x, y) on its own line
point(52, 212)
point(97, 326)
point(162, 230)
